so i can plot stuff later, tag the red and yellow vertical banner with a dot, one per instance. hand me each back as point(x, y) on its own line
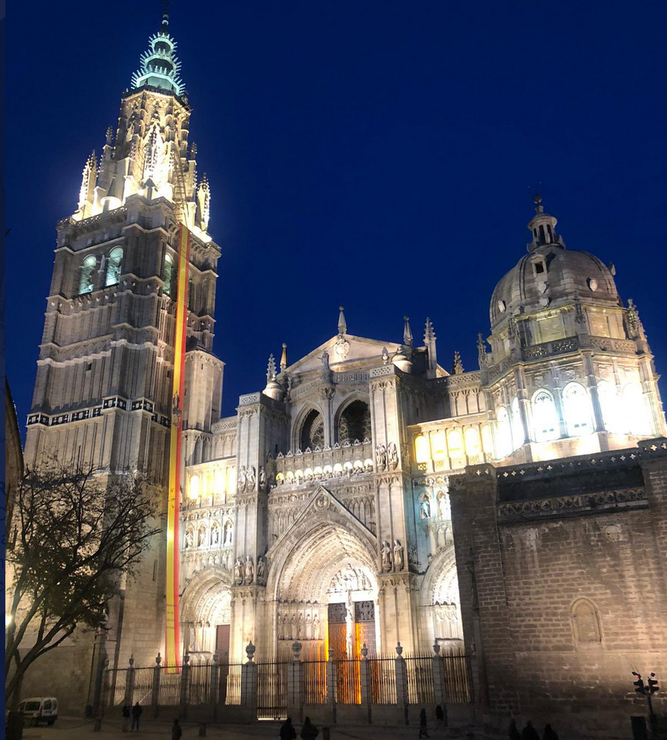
point(172, 648)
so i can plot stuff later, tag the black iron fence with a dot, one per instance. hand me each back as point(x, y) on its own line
point(197, 685)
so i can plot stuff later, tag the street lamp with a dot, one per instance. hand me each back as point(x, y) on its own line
point(648, 689)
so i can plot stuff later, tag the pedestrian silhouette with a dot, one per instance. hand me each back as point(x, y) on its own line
point(529, 732)
point(126, 718)
point(176, 730)
point(423, 731)
point(136, 716)
point(287, 731)
point(549, 733)
point(441, 715)
point(513, 732)
point(309, 731)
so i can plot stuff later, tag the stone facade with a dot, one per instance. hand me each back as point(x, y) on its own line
point(320, 511)
point(563, 578)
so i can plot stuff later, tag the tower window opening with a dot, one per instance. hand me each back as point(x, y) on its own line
point(539, 267)
point(87, 272)
point(577, 409)
point(634, 406)
point(542, 236)
point(168, 273)
point(422, 453)
point(545, 418)
point(551, 233)
point(113, 266)
point(504, 436)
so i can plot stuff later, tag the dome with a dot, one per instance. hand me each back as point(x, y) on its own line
point(551, 275)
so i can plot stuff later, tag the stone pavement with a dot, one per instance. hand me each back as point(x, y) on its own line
point(77, 729)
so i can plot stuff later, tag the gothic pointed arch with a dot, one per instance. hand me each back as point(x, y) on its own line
point(353, 419)
point(308, 428)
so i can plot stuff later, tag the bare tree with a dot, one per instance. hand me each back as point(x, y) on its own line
point(78, 532)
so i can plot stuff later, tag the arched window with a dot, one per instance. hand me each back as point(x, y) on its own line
point(168, 273)
point(545, 418)
point(191, 294)
point(455, 443)
point(421, 449)
point(87, 273)
point(635, 410)
point(577, 410)
point(487, 440)
point(439, 446)
point(504, 436)
point(114, 263)
point(473, 445)
point(586, 622)
point(355, 423)
point(194, 487)
point(312, 431)
point(518, 434)
point(612, 412)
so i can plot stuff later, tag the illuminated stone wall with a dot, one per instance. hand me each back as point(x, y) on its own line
point(563, 581)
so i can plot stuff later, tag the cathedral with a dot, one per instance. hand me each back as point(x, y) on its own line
point(320, 511)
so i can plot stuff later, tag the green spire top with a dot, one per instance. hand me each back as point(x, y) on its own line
point(159, 66)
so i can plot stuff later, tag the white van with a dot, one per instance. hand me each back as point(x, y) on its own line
point(40, 709)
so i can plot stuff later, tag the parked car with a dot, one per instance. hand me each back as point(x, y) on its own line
point(40, 709)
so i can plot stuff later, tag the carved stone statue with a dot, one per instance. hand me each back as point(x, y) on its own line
point(425, 508)
point(243, 480)
point(399, 558)
point(261, 570)
point(316, 626)
point(262, 477)
point(248, 570)
point(250, 472)
point(238, 572)
point(381, 457)
point(325, 359)
point(189, 539)
point(299, 626)
point(201, 541)
point(228, 534)
point(392, 455)
point(386, 557)
point(215, 534)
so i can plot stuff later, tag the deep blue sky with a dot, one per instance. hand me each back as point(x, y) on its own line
point(377, 154)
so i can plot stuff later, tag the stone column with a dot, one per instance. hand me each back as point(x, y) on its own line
point(129, 683)
point(185, 685)
point(365, 682)
point(155, 694)
point(295, 684)
point(331, 684)
point(439, 690)
point(215, 673)
point(401, 681)
point(249, 683)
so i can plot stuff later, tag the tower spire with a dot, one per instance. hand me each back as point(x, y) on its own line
point(407, 332)
point(283, 359)
point(342, 324)
point(429, 343)
point(543, 227)
point(159, 67)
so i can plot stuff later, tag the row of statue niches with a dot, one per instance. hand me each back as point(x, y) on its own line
point(209, 537)
point(304, 625)
point(244, 571)
point(438, 507)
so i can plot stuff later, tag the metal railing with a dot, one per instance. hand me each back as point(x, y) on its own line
point(272, 690)
point(383, 680)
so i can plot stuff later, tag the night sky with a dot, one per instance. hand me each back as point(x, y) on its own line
point(376, 154)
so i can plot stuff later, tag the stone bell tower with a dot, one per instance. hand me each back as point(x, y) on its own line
point(104, 375)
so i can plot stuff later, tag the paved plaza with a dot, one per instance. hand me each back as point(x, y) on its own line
point(76, 729)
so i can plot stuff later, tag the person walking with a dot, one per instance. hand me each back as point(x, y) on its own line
point(529, 732)
point(309, 731)
point(423, 730)
point(126, 717)
point(287, 731)
point(549, 733)
point(176, 730)
point(136, 715)
point(441, 717)
point(513, 732)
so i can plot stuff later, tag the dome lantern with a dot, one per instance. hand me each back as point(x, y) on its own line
point(543, 228)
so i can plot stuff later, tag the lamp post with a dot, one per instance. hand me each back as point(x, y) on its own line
point(648, 689)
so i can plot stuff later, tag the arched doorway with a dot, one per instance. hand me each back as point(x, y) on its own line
point(325, 589)
point(205, 616)
point(441, 608)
